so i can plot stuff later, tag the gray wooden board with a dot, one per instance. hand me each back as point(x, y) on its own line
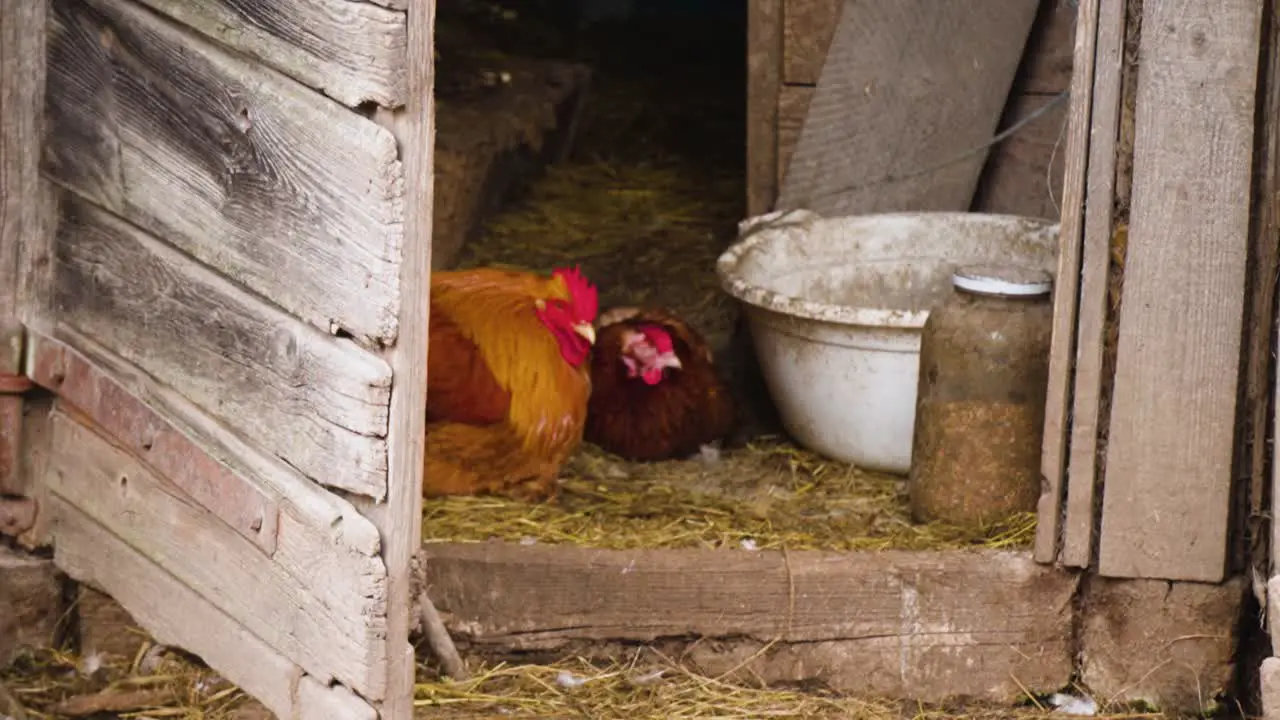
point(263, 179)
point(903, 620)
point(1173, 414)
point(176, 615)
point(908, 85)
point(318, 402)
point(1081, 511)
point(352, 51)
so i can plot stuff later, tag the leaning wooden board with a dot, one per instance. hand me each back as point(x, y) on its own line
point(895, 101)
point(1171, 444)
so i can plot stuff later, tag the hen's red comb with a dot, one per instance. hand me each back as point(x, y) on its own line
point(660, 338)
point(583, 301)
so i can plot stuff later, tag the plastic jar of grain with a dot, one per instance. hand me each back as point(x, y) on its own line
point(984, 365)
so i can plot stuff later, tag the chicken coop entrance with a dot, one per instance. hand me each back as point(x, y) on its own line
point(214, 272)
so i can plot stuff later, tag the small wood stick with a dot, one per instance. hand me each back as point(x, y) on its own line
point(440, 642)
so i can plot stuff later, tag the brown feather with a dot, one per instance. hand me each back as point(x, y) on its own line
point(689, 408)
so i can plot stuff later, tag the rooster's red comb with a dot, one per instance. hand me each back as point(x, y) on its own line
point(582, 294)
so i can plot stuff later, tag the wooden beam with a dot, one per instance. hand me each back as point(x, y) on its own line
point(399, 519)
point(764, 73)
point(289, 193)
point(793, 108)
point(1081, 516)
point(317, 401)
point(351, 51)
point(328, 623)
point(1173, 415)
point(1053, 457)
point(892, 622)
point(910, 94)
point(176, 615)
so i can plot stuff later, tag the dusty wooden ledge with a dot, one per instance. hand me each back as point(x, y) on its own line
point(925, 625)
point(487, 147)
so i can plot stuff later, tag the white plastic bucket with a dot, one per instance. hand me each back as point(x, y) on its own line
point(836, 307)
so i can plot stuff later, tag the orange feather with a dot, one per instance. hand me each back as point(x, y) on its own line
point(504, 409)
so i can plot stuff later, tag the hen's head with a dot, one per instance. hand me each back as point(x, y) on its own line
point(647, 352)
point(569, 314)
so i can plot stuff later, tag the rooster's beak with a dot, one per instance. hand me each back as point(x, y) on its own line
point(586, 331)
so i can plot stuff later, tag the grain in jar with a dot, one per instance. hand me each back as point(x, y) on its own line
point(984, 364)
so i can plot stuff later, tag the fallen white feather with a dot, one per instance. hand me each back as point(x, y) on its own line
point(1072, 705)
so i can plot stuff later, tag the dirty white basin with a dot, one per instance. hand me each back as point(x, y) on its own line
point(836, 306)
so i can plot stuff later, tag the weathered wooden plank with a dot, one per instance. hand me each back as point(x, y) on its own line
point(1081, 518)
point(1172, 425)
point(399, 519)
point(764, 77)
point(909, 87)
point(22, 74)
point(1170, 645)
point(320, 701)
point(902, 620)
point(351, 51)
point(793, 107)
point(318, 402)
point(1053, 453)
point(171, 611)
point(328, 630)
point(240, 503)
point(330, 528)
point(807, 29)
point(31, 596)
point(283, 190)
point(11, 380)
point(1024, 172)
point(1261, 367)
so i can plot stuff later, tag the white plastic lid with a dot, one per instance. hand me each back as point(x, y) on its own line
point(1005, 280)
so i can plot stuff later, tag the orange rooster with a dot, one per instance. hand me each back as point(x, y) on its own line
point(507, 382)
point(655, 393)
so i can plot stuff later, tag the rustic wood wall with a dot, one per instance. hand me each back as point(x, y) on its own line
point(788, 41)
point(234, 274)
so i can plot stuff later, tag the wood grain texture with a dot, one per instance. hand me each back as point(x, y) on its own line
point(793, 108)
point(22, 74)
point(266, 181)
point(1170, 448)
point(1081, 516)
point(11, 478)
point(330, 630)
point(1024, 173)
point(330, 525)
point(399, 519)
point(908, 85)
point(31, 595)
point(318, 402)
point(764, 77)
point(245, 507)
point(903, 619)
point(176, 615)
point(351, 51)
point(807, 29)
point(36, 441)
point(1053, 453)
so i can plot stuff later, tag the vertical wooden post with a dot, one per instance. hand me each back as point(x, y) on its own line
point(764, 77)
point(399, 519)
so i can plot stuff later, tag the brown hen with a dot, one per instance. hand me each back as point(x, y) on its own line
point(656, 393)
